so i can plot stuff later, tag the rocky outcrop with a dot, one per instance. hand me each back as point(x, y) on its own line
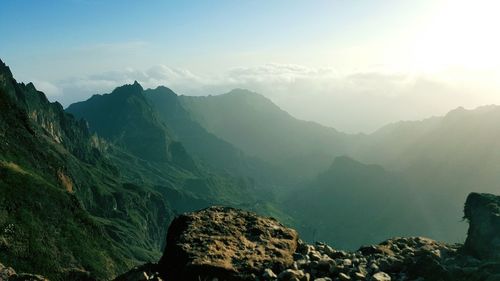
point(483, 238)
point(226, 243)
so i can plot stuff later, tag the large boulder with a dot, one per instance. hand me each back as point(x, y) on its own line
point(227, 244)
point(483, 213)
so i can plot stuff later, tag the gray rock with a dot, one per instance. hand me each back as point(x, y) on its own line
point(291, 274)
point(323, 279)
point(347, 262)
point(344, 277)
point(269, 274)
point(381, 276)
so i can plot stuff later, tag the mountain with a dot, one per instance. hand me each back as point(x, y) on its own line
point(209, 148)
point(445, 157)
point(458, 137)
point(128, 120)
point(436, 162)
point(259, 128)
point(102, 191)
point(432, 165)
point(65, 212)
point(106, 176)
point(125, 118)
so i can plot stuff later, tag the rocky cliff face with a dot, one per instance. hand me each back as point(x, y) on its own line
point(54, 123)
point(126, 118)
point(483, 237)
point(228, 244)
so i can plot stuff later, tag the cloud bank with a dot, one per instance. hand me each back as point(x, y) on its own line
point(352, 101)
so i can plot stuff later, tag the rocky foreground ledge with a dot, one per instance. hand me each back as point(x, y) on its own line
point(221, 243)
point(227, 244)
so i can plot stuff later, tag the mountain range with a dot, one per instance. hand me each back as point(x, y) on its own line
point(98, 182)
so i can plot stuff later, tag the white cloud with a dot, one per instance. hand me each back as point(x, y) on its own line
point(50, 90)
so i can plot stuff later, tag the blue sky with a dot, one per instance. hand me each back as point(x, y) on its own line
point(294, 52)
point(195, 33)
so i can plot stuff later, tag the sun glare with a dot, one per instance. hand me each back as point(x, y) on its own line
point(460, 34)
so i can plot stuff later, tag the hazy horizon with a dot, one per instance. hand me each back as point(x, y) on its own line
point(280, 124)
point(353, 66)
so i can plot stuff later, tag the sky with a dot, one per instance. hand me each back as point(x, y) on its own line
point(350, 64)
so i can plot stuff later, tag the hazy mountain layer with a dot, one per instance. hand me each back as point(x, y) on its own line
point(437, 162)
point(353, 203)
point(212, 150)
point(255, 125)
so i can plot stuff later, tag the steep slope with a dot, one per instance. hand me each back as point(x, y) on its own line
point(164, 162)
point(64, 208)
point(125, 118)
point(210, 149)
point(255, 125)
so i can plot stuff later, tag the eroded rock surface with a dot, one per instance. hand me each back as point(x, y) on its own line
point(226, 243)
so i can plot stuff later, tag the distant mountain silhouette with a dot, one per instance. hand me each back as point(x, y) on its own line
point(209, 148)
point(257, 126)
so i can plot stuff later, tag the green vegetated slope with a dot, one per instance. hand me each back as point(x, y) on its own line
point(121, 182)
point(199, 170)
point(176, 171)
point(64, 208)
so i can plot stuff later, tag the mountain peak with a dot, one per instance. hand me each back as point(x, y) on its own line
point(163, 90)
point(247, 95)
point(4, 69)
point(481, 110)
point(137, 85)
point(129, 89)
point(241, 91)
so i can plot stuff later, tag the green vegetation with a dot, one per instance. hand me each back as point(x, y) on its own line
point(44, 229)
point(71, 207)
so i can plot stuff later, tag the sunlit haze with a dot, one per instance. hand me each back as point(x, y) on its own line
point(352, 65)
